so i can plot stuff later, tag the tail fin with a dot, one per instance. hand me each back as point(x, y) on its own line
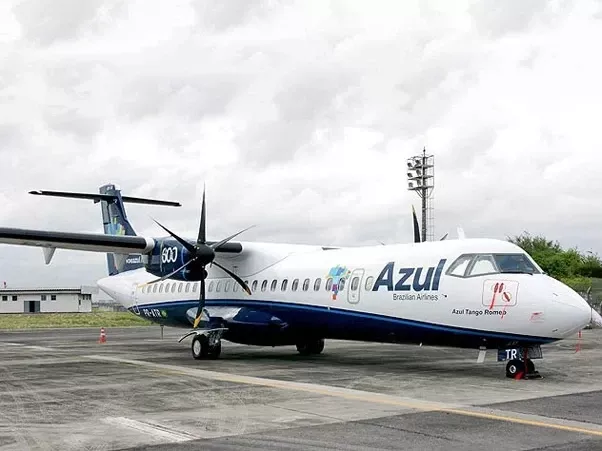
point(115, 222)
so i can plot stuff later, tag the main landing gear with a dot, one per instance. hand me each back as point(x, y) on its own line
point(203, 348)
point(206, 343)
point(310, 347)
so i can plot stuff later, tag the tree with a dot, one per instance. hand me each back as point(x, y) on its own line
point(569, 266)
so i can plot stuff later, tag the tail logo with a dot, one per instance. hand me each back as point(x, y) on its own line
point(116, 228)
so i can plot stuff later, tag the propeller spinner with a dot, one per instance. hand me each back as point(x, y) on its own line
point(202, 255)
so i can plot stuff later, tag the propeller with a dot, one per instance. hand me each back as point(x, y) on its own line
point(416, 229)
point(202, 255)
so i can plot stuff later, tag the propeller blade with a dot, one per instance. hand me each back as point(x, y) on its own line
point(235, 277)
point(189, 247)
point(215, 246)
point(199, 311)
point(443, 237)
point(202, 238)
point(168, 275)
point(416, 229)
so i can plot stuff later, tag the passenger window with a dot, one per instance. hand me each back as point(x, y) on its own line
point(180, 286)
point(458, 268)
point(227, 286)
point(173, 287)
point(354, 283)
point(317, 284)
point(305, 284)
point(295, 284)
point(273, 285)
point(483, 264)
point(235, 287)
point(167, 287)
point(155, 287)
point(218, 286)
point(329, 284)
point(264, 285)
point(188, 287)
point(210, 289)
point(369, 283)
point(254, 286)
point(341, 284)
point(284, 283)
point(194, 285)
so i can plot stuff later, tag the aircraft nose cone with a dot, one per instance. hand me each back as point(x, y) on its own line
point(579, 313)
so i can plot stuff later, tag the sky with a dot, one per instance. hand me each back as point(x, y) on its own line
point(298, 117)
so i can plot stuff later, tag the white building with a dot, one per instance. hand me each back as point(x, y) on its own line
point(46, 300)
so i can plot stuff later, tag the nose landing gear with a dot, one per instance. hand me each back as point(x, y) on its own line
point(522, 368)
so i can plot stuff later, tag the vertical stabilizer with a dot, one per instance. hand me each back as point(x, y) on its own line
point(115, 222)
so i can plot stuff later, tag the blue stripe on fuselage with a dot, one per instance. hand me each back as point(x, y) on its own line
point(335, 320)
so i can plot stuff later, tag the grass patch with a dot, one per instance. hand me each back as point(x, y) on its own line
point(94, 319)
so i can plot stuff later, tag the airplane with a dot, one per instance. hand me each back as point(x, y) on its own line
point(474, 293)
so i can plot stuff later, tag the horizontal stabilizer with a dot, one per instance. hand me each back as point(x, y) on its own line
point(94, 242)
point(108, 197)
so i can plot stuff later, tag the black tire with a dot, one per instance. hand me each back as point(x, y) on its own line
point(310, 347)
point(530, 366)
point(215, 350)
point(514, 367)
point(199, 347)
point(303, 348)
point(316, 347)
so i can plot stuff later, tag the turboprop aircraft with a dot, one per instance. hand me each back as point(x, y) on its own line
point(468, 293)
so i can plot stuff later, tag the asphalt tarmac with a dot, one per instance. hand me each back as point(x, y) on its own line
point(61, 390)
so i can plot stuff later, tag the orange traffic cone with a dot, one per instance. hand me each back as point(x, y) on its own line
point(103, 336)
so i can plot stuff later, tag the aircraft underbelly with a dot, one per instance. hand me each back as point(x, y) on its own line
point(271, 323)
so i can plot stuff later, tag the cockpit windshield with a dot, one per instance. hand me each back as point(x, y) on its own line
point(470, 265)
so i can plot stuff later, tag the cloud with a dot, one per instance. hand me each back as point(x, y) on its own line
point(299, 118)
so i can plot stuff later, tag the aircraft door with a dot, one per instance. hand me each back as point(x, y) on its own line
point(354, 285)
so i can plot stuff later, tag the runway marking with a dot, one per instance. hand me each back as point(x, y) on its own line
point(152, 429)
point(23, 345)
point(380, 398)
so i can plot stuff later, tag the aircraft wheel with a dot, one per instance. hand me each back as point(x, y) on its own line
point(310, 347)
point(303, 348)
point(316, 347)
point(530, 366)
point(514, 367)
point(200, 347)
point(215, 350)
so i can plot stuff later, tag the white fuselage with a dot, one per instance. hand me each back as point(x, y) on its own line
point(415, 287)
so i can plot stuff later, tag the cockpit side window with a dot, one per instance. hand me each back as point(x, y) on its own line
point(458, 268)
point(483, 264)
point(515, 263)
point(473, 265)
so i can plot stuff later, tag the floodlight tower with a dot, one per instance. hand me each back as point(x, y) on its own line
point(421, 179)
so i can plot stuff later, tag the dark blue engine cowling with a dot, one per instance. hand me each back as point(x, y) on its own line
point(168, 255)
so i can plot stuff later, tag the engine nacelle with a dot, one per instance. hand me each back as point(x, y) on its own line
point(167, 256)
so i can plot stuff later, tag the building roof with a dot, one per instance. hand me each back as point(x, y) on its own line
point(57, 290)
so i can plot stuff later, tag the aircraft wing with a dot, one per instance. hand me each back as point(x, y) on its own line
point(94, 242)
